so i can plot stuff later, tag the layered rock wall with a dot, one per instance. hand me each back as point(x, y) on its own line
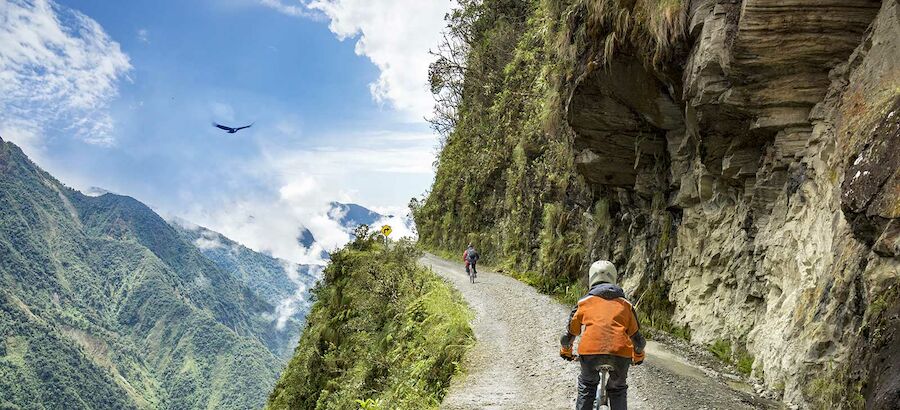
point(763, 185)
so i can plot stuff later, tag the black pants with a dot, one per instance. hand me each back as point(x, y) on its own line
point(616, 387)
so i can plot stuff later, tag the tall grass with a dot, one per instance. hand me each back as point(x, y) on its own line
point(651, 28)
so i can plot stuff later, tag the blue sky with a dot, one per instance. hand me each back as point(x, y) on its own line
point(121, 94)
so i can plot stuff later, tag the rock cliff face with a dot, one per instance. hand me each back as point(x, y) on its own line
point(737, 159)
point(757, 175)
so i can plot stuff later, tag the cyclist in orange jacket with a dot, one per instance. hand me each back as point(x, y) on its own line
point(611, 335)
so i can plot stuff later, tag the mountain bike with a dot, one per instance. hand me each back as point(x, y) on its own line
point(601, 400)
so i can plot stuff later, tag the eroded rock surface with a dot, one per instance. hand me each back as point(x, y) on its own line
point(762, 187)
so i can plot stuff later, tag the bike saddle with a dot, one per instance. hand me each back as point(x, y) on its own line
point(607, 367)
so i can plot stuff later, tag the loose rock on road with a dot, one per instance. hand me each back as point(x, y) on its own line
point(515, 362)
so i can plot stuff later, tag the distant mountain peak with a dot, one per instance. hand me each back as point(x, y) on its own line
point(351, 215)
point(307, 240)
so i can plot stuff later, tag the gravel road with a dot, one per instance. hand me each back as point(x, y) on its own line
point(515, 362)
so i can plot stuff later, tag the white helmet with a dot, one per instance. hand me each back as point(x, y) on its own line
point(602, 271)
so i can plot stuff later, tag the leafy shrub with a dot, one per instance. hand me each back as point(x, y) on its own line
point(743, 360)
point(734, 355)
point(722, 350)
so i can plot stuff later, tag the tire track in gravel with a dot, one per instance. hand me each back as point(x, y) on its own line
point(515, 363)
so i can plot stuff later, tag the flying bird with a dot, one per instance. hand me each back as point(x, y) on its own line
point(231, 130)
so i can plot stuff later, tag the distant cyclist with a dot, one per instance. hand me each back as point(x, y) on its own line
point(471, 258)
point(611, 336)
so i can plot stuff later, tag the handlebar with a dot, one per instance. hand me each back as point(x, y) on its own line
point(577, 358)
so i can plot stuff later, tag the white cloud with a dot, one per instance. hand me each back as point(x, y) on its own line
point(305, 182)
point(401, 226)
point(346, 161)
point(209, 242)
point(24, 133)
point(58, 69)
point(290, 305)
point(266, 226)
point(143, 35)
point(360, 153)
point(222, 111)
point(298, 8)
point(299, 190)
point(95, 191)
point(175, 219)
point(396, 36)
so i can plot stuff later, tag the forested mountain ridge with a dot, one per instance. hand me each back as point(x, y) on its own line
point(737, 160)
point(106, 305)
point(280, 283)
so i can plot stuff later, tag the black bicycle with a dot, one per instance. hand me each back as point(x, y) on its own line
point(470, 270)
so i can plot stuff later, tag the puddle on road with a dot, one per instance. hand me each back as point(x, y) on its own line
point(663, 357)
point(740, 386)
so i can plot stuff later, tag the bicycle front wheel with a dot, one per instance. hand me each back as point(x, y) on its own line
point(600, 401)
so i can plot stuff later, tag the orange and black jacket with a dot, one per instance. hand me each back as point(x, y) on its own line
point(610, 324)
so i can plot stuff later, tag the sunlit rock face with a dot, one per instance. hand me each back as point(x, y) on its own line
point(762, 183)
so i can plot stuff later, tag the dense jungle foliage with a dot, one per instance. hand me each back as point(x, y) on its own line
point(384, 333)
point(506, 177)
point(104, 305)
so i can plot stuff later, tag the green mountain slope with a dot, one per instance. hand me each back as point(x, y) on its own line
point(506, 177)
point(280, 283)
point(383, 333)
point(103, 304)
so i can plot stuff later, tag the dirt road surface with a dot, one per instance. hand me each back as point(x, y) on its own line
point(515, 362)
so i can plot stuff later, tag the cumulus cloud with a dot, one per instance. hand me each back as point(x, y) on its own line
point(401, 226)
point(395, 35)
point(25, 133)
point(59, 69)
point(271, 227)
point(304, 182)
point(291, 8)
